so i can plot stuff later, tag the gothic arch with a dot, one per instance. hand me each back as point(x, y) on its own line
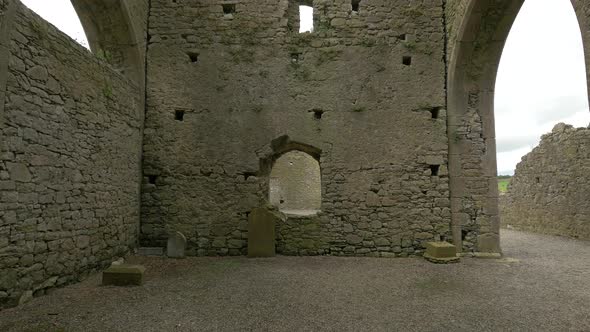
point(117, 28)
point(473, 64)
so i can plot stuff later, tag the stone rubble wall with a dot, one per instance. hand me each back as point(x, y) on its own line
point(69, 160)
point(242, 80)
point(549, 191)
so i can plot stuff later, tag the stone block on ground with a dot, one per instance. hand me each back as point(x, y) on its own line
point(261, 233)
point(441, 252)
point(123, 275)
point(176, 245)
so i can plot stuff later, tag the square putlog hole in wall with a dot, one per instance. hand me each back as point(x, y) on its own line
point(435, 112)
point(179, 115)
point(407, 60)
point(152, 179)
point(356, 4)
point(317, 114)
point(229, 8)
point(434, 169)
point(193, 56)
point(295, 57)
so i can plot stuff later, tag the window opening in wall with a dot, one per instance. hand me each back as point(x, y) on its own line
point(356, 5)
point(62, 15)
point(229, 8)
point(305, 19)
point(295, 184)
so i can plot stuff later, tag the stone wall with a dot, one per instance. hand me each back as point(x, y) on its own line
point(456, 11)
point(549, 191)
point(227, 92)
point(69, 159)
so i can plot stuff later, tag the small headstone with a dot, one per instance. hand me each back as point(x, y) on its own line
point(150, 251)
point(123, 275)
point(176, 245)
point(441, 252)
point(261, 233)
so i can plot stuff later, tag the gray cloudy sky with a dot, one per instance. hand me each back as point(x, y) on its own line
point(541, 80)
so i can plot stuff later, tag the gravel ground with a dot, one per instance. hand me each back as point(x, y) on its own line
point(542, 284)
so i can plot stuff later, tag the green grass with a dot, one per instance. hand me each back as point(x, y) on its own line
point(503, 184)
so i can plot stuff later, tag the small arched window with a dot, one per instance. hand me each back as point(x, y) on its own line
point(295, 184)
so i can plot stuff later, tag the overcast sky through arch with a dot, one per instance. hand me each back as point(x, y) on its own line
point(541, 80)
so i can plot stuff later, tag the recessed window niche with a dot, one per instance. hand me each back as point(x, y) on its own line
point(295, 184)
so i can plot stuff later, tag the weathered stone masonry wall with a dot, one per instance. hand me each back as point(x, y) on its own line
point(245, 79)
point(69, 160)
point(549, 192)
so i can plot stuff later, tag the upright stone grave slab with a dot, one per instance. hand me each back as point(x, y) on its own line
point(176, 245)
point(261, 233)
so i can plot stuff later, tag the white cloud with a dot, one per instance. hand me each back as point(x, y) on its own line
point(541, 80)
point(60, 13)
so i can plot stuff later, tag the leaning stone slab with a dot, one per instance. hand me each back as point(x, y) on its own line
point(123, 275)
point(176, 245)
point(261, 233)
point(441, 252)
point(25, 297)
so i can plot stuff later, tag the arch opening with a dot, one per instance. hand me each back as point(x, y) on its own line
point(541, 112)
point(475, 55)
point(540, 79)
point(295, 183)
point(111, 29)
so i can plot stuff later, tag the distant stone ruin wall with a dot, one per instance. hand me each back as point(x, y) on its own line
point(69, 160)
point(367, 88)
point(550, 190)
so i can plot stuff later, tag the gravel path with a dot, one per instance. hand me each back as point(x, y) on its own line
point(543, 284)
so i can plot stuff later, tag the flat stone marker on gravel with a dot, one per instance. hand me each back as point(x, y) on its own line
point(261, 233)
point(150, 251)
point(123, 275)
point(441, 252)
point(176, 245)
